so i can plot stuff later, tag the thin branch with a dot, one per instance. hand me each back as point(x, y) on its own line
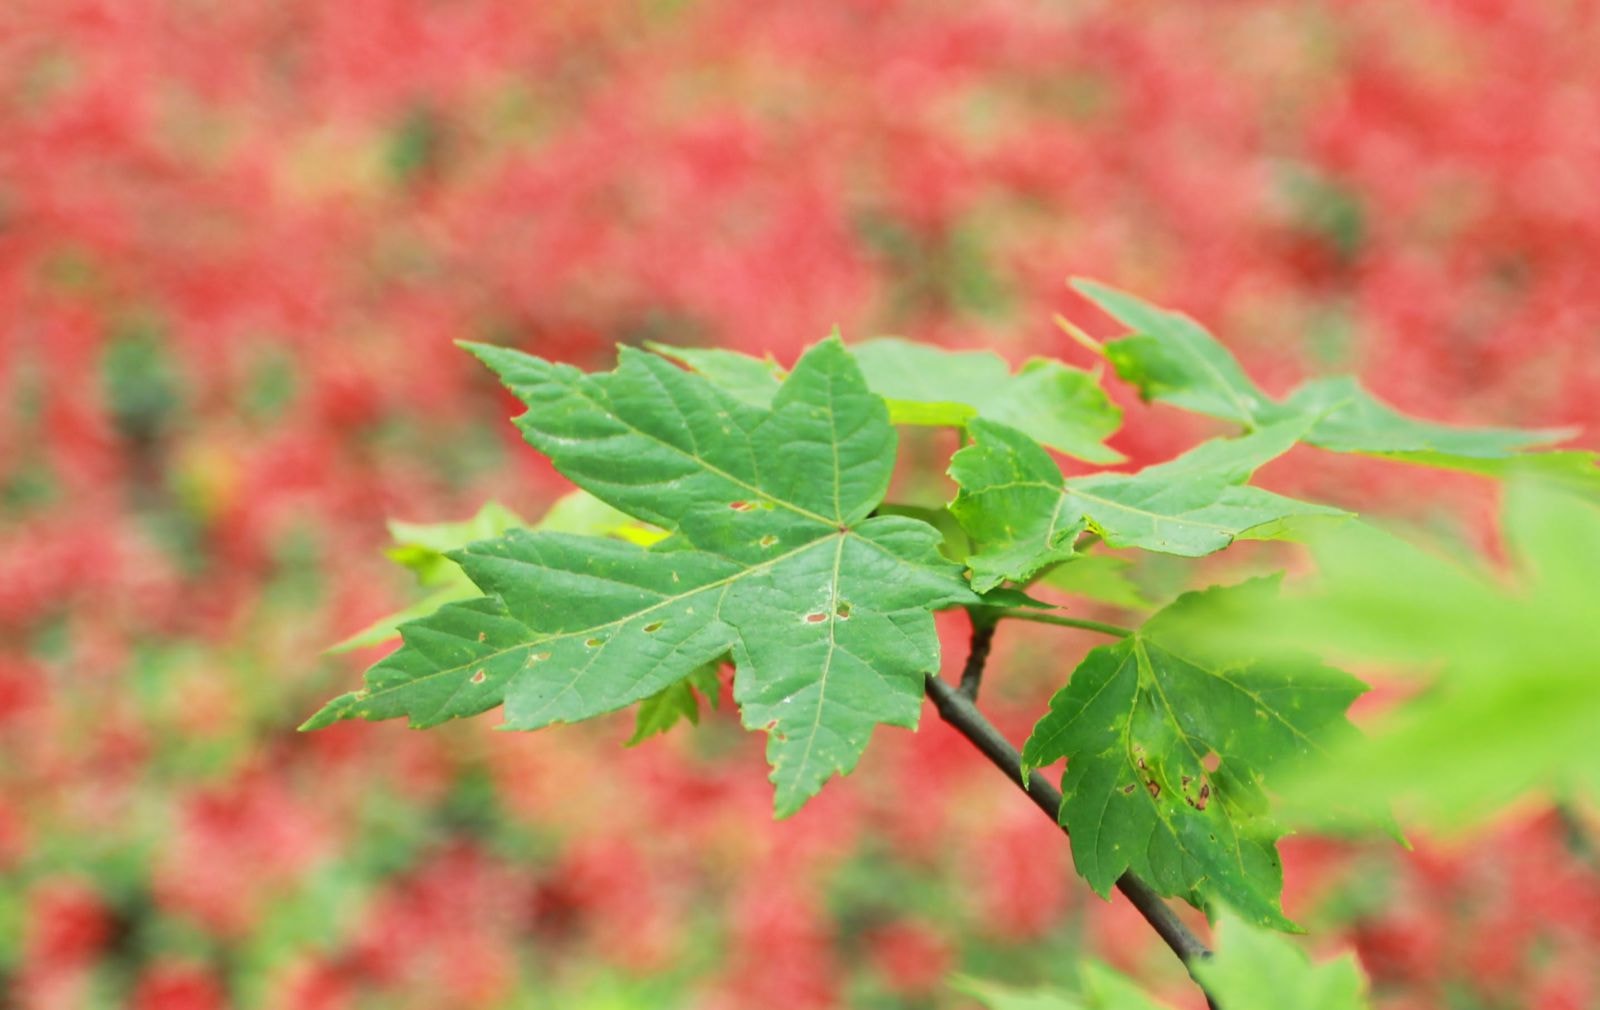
point(983, 625)
point(1045, 617)
point(961, 713)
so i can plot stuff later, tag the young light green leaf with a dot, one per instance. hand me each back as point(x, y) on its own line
point(675, 703)
point(1064, 408)
point(827, 613)
point(1102, 577)
point(1015, 505)
point(751, 379)
point(1101, 989)
point(423, 548)
point(1171, 358)
point(1256, 970)
point(387, 628)
point(1169, 746)
point(1514, 668)
point(996, 996)
point(1250, 970)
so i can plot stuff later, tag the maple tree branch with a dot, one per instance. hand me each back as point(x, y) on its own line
point(957, 709)
point(983, 626)
point(1044, 617)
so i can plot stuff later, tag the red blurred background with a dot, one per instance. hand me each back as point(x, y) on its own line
point(237, 238)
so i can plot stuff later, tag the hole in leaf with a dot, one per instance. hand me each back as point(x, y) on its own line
point(479, 677)
point(653, 627)
point(843, 611)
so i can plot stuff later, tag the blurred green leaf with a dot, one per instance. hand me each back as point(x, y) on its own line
point(1511, 660)
point(1251, 969)
point(423, 549)
point(1257, 970)
point(1102, 577)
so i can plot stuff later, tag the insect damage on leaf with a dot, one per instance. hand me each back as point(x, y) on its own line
point(1169, 748)
point(771, 557)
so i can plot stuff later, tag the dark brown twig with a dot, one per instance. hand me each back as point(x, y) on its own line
point(957, 709)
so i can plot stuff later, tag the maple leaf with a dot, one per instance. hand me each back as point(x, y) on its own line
point(772, 557)
point(1256, 970)
point(1015, 504)
point(1171, 358)
point(1169, 745)
point(1063, 407)
point(1511, 660)
point(675, 703)
point(1251, 970)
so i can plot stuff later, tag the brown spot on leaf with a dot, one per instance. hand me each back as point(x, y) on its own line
point(479, 677)
point(1154, 787)
point(816, 617)
point(653, 627)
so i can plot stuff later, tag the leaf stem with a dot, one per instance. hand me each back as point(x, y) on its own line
point(1045, 617)
point(959, 711)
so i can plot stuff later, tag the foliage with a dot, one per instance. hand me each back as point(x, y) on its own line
point(1251, 970)
point(778, 550)
point(1172, 748)
point(231, 288)
point(1508, 660)
point(827, 612)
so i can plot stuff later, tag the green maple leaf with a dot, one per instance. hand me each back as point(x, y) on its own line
point(1256, 970)
point(1169, 746)
point(423, 548)
point(1024, 516)
point(1063, 407)
point(1251, 970)
point(675, 703)
point(1511, 659)
point(772, 557)
point(1171, 358)
point(1103, 577)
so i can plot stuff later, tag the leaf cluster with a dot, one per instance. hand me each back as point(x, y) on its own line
point(733, 511)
